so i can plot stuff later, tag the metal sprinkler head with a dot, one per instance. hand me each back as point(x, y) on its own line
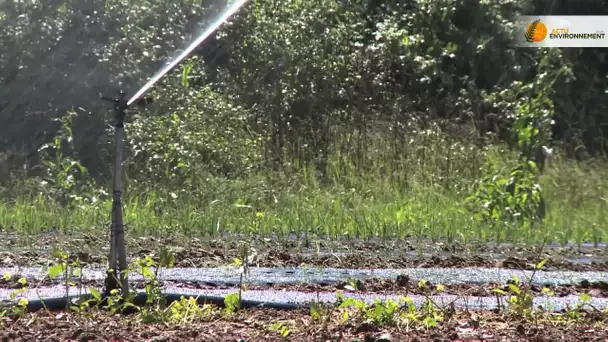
point(121, 104)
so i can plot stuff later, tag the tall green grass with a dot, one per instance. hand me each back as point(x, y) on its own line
point(416, 193)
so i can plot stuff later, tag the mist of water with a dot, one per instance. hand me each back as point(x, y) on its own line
point(229, 11)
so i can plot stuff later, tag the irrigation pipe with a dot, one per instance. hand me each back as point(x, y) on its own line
point(60, 303)
point(291, 300)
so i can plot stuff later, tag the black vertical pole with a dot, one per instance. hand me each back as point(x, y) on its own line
point(118, 255)
point(116, 276)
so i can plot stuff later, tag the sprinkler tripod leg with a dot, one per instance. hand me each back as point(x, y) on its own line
point(121, 249)
point(116, 277)
point(111, 282)
point(118, 255)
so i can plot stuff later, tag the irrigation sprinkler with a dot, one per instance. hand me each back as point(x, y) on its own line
point(118, 251)
point(118, 255)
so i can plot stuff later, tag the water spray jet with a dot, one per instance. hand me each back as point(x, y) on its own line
point(227, 13)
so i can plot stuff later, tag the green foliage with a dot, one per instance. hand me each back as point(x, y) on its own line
point(232, 302)
point(64, 178)
point(520, 302)
point(281, 328)
point(517, 197)
point(332, 118)
point(207, 137)
point(390, 312)
point(185, 311)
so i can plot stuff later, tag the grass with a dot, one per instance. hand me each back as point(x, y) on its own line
point(418, 193)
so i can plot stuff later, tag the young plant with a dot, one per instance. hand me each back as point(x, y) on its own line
point(20, 308)
point(186, 311)
point(378, 313)
point(156, 304)
point(233, 301)
point(521, 300)
point(67, 267)
point(281, 328)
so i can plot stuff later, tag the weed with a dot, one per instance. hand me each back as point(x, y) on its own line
point(521, 302)
point(354, 285)
point(186, 311)
point(232, 302)
point(67, 267)
point(390, 312)
point(281, 328)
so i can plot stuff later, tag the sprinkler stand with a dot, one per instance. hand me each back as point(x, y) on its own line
point(117, 271)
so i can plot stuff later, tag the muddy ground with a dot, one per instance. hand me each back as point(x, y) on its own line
point(19, 250)
point(401, 286)
point(261, 324)
point(266, 324)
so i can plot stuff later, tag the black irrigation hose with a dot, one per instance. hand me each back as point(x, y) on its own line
point(292, 300)
point(60, 303)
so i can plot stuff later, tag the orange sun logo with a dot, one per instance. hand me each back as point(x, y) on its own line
point(536, 32)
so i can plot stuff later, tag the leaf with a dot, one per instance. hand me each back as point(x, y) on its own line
point(232, 302)
point(167, 259)
point(23, 302)
point(430, 322)
point(56, 270)
point(59, 254)
point(541, 263)
point(147, 273)
point(514, 288)
point(96, 294)
point(15, 293)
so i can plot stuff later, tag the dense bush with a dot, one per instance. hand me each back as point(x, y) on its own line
point(412, 91)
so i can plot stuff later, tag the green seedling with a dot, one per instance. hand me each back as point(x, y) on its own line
point(281, 328)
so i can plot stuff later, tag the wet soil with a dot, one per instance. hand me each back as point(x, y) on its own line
point(90, 249)
point(404, 286)
point(266, 324)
